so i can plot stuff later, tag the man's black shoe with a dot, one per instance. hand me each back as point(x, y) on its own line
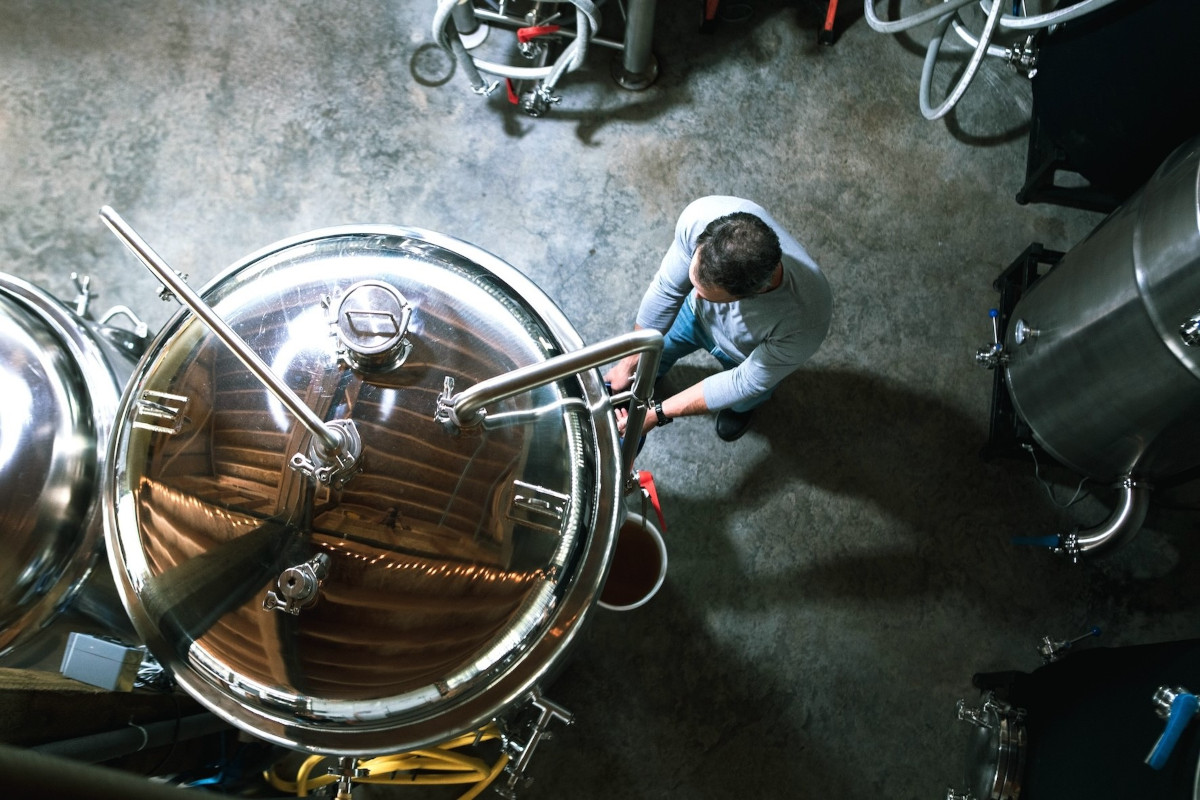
point(732, 424)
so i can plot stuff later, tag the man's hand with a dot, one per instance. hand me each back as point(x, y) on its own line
point(623, 420)
point(620, 377)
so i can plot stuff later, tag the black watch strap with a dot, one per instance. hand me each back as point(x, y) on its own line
point(663, 419)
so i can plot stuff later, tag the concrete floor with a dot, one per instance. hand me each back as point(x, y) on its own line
point(837, 575)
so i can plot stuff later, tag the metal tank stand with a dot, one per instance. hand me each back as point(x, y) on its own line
point(636, 67)
point(1007, 433)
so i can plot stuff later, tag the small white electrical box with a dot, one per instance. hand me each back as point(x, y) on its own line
point(100, 662)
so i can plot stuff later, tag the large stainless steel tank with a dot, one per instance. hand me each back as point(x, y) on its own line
point(404, 599)
point(1103, 356)
point(61, 377)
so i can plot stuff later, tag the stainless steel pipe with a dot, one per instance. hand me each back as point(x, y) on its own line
point(332, 440)
point(467, 408)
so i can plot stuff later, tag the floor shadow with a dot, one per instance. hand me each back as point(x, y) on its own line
point(914, 460)
point(663, 709)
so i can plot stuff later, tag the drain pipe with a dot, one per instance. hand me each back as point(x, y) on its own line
point(1133, 501)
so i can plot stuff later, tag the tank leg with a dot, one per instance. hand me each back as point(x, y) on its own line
point(636, 67)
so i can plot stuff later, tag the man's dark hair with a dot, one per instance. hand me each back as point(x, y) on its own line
point(738, 253)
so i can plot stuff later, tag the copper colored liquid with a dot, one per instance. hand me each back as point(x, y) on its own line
point(635, 568)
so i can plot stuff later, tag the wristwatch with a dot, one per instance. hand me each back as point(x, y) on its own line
point(663, 419)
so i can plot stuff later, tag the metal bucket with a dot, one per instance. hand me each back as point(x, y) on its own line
point(420, 587)
point(62, 376)
point(1104, 350)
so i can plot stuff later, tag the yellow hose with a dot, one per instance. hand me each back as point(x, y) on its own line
point(497, 768)
point(431, 766)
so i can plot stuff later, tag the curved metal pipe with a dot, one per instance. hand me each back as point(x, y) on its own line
point(1126, 520)
point(466, 408)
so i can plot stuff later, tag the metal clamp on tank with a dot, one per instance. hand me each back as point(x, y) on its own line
point(299, 586)
point(332, 466)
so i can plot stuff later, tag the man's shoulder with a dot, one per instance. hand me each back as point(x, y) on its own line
point(718, 205)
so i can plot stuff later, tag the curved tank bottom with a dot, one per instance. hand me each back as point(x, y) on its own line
point(436, 586)
point(61, 391)
point(1105, 380)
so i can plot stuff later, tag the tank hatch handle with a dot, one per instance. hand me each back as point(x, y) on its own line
point(370, 321)
point(538, 507)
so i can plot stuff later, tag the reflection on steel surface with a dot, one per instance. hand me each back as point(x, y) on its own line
point(436, 586)
point(62, 377)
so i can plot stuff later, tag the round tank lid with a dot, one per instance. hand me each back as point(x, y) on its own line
point(49, 458)
point(414, 598)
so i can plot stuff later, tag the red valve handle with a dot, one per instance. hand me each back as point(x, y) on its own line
point(646, 481)
point(525, 34)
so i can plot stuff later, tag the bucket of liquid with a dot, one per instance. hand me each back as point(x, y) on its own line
point(639, 565)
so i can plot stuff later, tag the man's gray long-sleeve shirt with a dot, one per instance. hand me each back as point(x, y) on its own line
point(771, 334)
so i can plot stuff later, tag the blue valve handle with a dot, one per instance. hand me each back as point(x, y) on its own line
point(1183, 708)
point(1052, 540)
point(995, 315)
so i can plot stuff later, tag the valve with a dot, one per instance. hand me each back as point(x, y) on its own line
point(83, 287)
point(1023, 57)
point(519, 754)
point(1177, 706)
point(347, 771)
point(992, 355)
point(537, 102)
point(1051, 650)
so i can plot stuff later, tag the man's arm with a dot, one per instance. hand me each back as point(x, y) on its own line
point(687, 403)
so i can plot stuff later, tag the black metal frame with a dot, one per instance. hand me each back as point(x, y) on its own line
point(1043, 161)
point(1007, 432)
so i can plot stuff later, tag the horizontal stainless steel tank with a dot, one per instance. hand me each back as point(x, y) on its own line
point(1104, 350)
point(417, 587)
point(61, 378)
